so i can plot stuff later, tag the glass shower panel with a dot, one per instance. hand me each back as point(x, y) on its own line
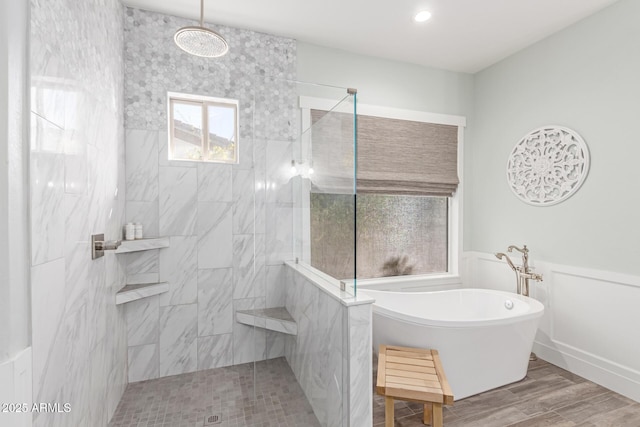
point(302, 146)
point(325, 238)
point(260, 314)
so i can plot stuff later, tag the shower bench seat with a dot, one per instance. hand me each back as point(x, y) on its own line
point(274, 319)
point(416, 375)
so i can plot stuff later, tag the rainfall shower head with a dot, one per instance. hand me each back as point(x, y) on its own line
point(201, 41)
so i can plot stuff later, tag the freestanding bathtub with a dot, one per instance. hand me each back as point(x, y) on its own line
point(484, 337)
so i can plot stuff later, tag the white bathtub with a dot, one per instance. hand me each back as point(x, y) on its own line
point(482, 343)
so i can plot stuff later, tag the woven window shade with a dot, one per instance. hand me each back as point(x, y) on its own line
point(399, 157)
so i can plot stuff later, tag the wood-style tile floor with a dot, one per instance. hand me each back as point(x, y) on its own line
point(548, 396)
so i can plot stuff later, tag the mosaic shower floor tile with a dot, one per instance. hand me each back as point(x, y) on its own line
point(224, 397)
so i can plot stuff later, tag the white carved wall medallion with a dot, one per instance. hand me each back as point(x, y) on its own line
point(548, 165)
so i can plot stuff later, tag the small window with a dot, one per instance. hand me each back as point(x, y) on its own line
point(203, 128)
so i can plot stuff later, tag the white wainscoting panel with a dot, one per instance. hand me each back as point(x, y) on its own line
point(485, 271)
point(604, 309)
point(590, 325)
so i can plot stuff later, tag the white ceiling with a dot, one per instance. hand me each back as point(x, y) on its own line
point(462, 35)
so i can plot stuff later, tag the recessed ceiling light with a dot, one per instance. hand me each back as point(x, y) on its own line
point(422, 16)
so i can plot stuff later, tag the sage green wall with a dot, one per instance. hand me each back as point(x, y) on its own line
point(587, 78)
point(383, 82)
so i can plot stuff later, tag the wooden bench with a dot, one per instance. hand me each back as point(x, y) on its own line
point(416, 375)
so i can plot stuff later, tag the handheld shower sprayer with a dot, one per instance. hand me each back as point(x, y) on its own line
point(501, 255)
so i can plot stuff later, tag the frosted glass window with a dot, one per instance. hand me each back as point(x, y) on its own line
point(394, 235)
point(203, 129)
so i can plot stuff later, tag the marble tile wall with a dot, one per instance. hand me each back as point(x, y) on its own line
point(331, 355)
point(359, 378)
point(79, 335)
point(230, 226)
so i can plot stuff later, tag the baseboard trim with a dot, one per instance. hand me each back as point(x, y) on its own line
point(595, 373)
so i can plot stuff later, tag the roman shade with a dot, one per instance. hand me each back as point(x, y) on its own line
point(400, 157)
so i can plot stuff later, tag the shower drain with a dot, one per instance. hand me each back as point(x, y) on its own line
point(210, 420)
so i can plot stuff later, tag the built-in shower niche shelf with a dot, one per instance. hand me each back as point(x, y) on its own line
point(135, 292)
point(141, 285)
point(274, 319)
point(142, 245)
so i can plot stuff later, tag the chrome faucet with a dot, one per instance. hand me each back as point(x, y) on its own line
point(523, 275)
point(523, 272)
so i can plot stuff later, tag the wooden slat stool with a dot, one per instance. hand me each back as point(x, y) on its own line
point(416, 375)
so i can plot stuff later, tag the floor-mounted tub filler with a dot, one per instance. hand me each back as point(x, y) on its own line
point(484, 337)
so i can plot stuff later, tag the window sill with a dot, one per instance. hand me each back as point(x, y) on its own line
point(417, 283)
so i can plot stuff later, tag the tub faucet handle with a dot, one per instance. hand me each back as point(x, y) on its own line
point(532, 276)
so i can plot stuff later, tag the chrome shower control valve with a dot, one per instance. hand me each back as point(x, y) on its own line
point(99, 245)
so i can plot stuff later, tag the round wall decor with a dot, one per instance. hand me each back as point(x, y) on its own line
point(548, 165)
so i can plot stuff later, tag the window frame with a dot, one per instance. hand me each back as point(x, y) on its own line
point(454, 205)
point(204, 102)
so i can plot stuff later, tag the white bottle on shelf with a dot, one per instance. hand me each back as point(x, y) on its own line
point(138, 230)
point(129, 231)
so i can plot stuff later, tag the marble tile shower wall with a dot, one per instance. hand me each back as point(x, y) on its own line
point(331, 355)
point(230, 226)
point(77, 189)
point(316, 354)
